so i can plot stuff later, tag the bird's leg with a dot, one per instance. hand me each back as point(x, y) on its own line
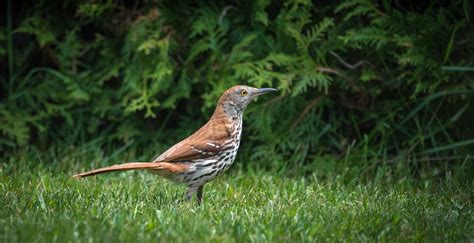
point(189, 193)
point(199, 194)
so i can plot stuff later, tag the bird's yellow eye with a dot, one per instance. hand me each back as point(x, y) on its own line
point(243, 92)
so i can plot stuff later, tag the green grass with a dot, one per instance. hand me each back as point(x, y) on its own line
point(40, 202)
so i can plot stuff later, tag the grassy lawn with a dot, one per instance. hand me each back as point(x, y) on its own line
point(40, 202)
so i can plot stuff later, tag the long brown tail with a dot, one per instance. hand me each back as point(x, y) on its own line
point(121, 167)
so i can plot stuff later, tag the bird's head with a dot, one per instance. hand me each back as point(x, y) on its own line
point(235, 100)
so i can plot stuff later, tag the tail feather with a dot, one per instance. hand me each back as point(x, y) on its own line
point(120, 167)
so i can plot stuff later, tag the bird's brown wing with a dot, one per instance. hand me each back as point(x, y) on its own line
point(204, 143)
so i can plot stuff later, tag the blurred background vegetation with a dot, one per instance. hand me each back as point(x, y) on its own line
point(386, 86)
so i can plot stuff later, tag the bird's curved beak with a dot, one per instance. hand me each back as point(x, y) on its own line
point(262, 91)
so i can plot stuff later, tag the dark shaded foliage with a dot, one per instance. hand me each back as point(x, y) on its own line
point(385, 81)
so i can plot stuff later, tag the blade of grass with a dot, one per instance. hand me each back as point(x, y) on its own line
point(450, 44)
point(457, 69)
point(430, 98)
point(450, 146)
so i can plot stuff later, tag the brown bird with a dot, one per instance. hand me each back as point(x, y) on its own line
point(205, 154)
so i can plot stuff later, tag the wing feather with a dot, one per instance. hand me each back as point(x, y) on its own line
point(204, 143)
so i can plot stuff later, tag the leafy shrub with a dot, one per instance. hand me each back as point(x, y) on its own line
point(379, 80)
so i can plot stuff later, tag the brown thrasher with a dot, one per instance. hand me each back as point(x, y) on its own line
point(205, 154)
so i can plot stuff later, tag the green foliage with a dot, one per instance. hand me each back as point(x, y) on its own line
point(354, 75)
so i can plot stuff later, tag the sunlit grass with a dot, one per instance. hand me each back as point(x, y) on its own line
point(41, 202)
